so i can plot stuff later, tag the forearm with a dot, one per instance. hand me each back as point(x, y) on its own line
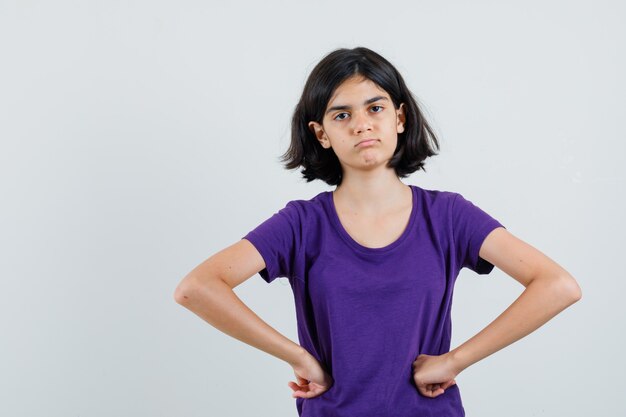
point(218, 305)
point(541, 300)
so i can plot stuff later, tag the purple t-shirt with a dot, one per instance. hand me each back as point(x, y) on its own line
point(366, 313)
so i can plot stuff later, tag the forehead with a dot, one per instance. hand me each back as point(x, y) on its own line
point(355, 89)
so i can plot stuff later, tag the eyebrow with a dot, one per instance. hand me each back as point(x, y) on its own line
point(366, 102)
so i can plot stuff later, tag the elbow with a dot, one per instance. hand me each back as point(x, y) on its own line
point(576, 291)
point(562, 289)
point(181, 294)
point(570, 290)
point(193, 288)
point(184, 291)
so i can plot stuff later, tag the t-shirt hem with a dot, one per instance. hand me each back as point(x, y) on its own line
point(483, 267)
point(266, 273)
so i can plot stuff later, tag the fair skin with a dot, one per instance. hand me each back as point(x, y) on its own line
point(374, 206)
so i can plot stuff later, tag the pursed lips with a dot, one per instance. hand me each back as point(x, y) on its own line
point(366, 140)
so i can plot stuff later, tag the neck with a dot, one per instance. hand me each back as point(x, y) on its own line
point(372, 194)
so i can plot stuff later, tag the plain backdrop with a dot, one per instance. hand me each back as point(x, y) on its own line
point(140, 137)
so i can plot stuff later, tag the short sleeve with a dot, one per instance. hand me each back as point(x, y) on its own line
point(278, 239)
point(470, 227)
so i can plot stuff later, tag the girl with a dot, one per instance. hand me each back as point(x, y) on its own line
point(372, 264)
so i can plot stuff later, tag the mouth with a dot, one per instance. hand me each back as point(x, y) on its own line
point(366, 142)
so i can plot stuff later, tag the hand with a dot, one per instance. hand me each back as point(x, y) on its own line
point(433, 374)
point(312, 379)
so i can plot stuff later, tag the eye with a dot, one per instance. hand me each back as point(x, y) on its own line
point(336, 117)
point(380, 107)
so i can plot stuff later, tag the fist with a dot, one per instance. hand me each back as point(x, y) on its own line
point(433, 374)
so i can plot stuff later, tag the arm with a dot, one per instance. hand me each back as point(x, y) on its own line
point(208, 292)
point(549, 290)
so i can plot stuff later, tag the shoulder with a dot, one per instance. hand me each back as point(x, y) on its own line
point(441, 198)
point(305, 210)
point(435, 199)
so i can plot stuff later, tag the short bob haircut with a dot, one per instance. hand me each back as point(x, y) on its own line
point(415, 144)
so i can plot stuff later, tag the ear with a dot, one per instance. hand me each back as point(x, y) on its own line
point(401, 118)
point(320, 135)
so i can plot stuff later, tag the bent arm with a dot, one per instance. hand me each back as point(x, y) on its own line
point(208, 292)
point(549, 290)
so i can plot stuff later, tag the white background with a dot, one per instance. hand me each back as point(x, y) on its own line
point(138, 138)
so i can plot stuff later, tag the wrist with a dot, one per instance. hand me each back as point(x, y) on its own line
point(458, 359)
point(298, 356)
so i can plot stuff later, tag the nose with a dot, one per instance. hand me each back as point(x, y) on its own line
point(361, 122)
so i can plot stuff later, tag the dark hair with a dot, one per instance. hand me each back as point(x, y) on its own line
point(319, 163)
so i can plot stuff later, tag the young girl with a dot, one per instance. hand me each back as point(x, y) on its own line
point(372, 264)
